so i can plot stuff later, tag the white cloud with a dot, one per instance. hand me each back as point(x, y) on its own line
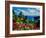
point(34, 12)
point(29, 12)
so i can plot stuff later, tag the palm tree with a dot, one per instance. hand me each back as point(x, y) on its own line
point(14, 16)
point(21, 16)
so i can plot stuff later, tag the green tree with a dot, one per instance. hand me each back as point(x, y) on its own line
point(21, 15)
point(14, 16)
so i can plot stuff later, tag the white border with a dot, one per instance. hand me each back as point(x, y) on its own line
point(30, 31)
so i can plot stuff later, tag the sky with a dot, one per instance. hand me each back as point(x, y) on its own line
point(27, 11)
